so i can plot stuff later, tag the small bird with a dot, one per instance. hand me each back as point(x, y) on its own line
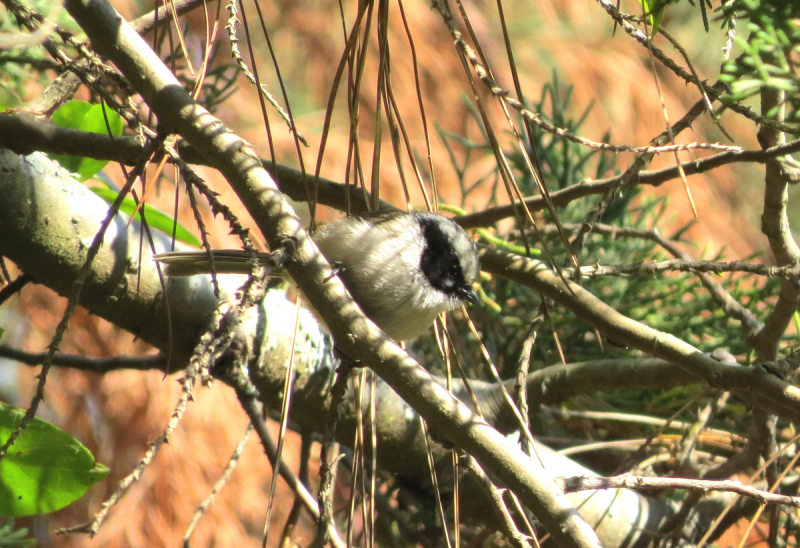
point(402, 268)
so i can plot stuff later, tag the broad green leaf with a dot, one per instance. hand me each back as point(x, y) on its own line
point(155, 218)
point(87, 117)
point(45, 469)
point(71, 114)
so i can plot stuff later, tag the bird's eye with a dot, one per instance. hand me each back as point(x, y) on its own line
point(454, 269)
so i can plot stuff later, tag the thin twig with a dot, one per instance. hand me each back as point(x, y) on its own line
point(495, 496)
point(534, 118)
point(187, 383)
point(590, 187)
point(679, 265)
point(297, 505)
point(626, 481)
point(704, 416)
point(218, 485)
point(84, 363)
point(327, 464)
point(237, 56)
point(523, 367)
point(14, 287)
point(630, 175)
point(247, 395)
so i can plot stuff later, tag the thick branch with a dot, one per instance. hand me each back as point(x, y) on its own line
point(755, 384)
point(24, 135)
point(356, 336)
point(269, 333)
point(46, 222)
point(775, 226)
point(563, 197)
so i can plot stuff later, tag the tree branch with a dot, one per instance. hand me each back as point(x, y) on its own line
point(356, 336)
point(754, 384)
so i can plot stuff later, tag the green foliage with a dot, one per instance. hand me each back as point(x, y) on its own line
point(45, 469)
point(22, 65)
point(86, 117)
point(100, 119)
point(770, 52)
point(155, 217)
point(674, 303)
point(654, 10)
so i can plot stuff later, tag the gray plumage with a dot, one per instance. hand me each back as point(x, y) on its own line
point(403, 269)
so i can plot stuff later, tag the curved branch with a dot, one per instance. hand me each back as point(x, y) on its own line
point(355, 335)
point(269, 331)
point(46, 223)
point(24, 135)
point(775, 226)
point(563, 197)
point(755, 384)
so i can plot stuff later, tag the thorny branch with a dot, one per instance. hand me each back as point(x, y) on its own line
point(585, 483)
point(680, 265)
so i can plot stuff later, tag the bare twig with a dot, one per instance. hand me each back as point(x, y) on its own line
point(680, 265)
point(220, 483)
point(84, 363)
point(237, 56)
point(630, 175)
point(187, 382)
point(521, 387)
point(704, 416)
point(247, 395)
point(534, 118)
point(327, 464)
point(626, 481)
point(495, 495)
point(14, 287)
point(297, 505)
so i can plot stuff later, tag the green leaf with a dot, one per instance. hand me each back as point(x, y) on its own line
point(155, 218)
point(86, 117)
point(654, 10)
point(796, 320)
point(45, 469)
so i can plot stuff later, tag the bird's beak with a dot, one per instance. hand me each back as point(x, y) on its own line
point(469, 294)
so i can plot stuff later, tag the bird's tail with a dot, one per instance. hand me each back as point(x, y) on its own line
point(224, 261)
